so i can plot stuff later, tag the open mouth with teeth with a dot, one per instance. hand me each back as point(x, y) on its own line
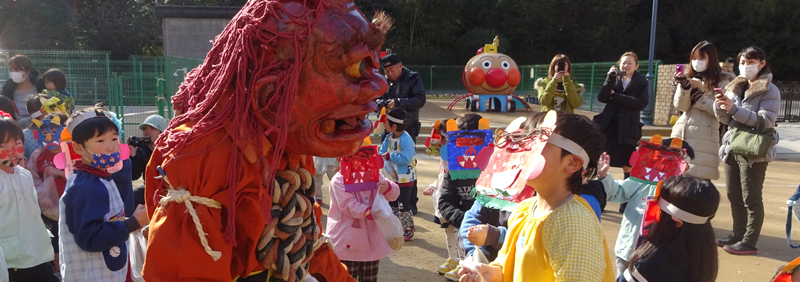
point(348, 128)
point(467, 162)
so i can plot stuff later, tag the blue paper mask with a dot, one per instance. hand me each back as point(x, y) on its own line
point(463, 147)
point(49, 132)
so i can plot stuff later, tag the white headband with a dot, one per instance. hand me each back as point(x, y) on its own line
point(394, 119)
point(36, 114)
point(570, 146)
point(681, 214)
point(85, 116)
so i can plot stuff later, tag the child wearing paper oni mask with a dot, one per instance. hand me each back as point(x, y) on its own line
point(357, 240)
point(555, 235)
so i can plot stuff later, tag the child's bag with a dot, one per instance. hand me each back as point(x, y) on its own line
point(387, 222)
point(137, 246)
point(794, 206)
point(471, 263)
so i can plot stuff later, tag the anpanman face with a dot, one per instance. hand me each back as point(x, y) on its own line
point(491, 74)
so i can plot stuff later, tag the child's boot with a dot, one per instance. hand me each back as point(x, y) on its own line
point(447, 266)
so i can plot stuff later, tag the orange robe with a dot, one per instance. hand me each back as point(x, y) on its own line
point(174, 252)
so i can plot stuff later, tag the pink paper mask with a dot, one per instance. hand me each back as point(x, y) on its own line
point(515, 158)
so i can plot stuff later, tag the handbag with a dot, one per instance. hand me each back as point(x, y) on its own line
point(752, 142)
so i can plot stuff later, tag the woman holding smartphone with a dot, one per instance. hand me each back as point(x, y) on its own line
point(695, 98)
point(749, 97)
point(559, 92)
point(625, 95)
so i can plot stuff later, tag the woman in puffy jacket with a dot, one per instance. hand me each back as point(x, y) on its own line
point(695, 98)
point(750, 97)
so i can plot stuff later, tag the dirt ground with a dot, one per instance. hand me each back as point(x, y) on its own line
point(418, 259)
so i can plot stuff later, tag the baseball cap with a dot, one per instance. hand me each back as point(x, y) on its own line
point(156, 122)
point(390, 60)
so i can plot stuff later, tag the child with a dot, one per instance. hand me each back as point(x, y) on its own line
point(93, 229)
point(356, 238)
point(681, 244)
point(455, 200)
point(641, 184)
point(25, 241)
point(555, 235)
point(48, 180)
point(55, 83)
point(398, 151)
point(434, 189)
point(34, 106)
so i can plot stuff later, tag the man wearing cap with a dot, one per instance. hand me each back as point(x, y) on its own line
point(142, 147)
point(406, 91)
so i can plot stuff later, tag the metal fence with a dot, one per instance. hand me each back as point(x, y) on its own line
point(143, 85)
point(790, 101)
point(447, 79)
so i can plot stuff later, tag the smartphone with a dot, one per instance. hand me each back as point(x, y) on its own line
point(561, 66)
point(719, 92)
point(679, 69)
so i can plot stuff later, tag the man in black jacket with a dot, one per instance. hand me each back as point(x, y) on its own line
point(407, 92)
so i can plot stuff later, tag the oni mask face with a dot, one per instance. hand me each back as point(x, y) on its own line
point(48, 132)
point(338, 81)
point(654, 162)
point(463, 147)
point(513, 161)
point(491, 73)
point(361, 171)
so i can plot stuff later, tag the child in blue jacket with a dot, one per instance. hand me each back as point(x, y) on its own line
point(398, 151)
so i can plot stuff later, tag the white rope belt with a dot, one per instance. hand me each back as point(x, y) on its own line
point(182, 196)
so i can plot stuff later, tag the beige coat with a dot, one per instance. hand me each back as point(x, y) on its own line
point(699, 127)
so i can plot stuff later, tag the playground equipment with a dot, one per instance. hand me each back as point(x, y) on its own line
point(491, 77)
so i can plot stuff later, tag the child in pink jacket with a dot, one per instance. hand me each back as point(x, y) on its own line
point(356, 238)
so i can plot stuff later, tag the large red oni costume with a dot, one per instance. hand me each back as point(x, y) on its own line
point(229, 186)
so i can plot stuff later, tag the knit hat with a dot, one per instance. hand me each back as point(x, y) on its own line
point(156, 122)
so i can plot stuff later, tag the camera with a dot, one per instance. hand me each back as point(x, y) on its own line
point(136, 141)
point(620, 73)
point(561, 66)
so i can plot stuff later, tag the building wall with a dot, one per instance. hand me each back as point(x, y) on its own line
point(191, 37)
point(664, 94)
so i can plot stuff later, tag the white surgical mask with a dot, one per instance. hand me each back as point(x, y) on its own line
point(749, 71)
point(699, 66)
point(17, 76)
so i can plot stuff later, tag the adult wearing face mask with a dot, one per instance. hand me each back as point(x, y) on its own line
point(747, 97)
point(24, 83)
point(695, 98)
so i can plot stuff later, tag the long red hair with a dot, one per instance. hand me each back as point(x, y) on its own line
point(221, 90)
